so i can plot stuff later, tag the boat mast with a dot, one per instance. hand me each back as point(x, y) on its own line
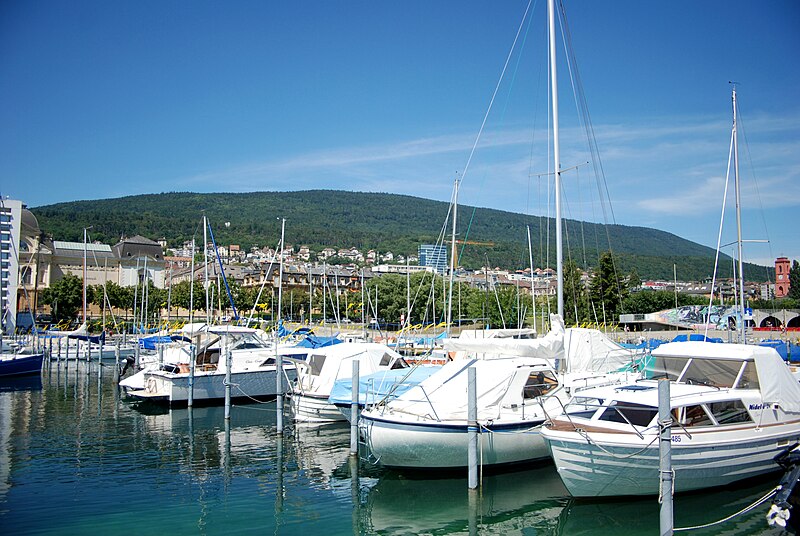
point(84, 274)
point(449, 316)
point(742, 326)
point(556, 155)
point(205, 264)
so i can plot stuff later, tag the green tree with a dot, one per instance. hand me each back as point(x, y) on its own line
point(794, 281)
point(576, 302)
point(65, 297)
point(634, 281)
point(606, 289)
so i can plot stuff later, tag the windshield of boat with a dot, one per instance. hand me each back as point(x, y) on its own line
point(628, 412)
point(246, 341)
point(722, 373)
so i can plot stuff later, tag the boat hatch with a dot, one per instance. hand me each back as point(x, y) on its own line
point(635, 388)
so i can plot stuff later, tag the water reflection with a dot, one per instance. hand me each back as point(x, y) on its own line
point(104, 465)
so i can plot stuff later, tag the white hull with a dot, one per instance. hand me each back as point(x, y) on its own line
point(603, 468)
point(309, 408)
point(209, 386)
point(444, 445)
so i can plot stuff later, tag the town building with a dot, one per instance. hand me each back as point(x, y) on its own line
point(434, 257)
point(782, 284)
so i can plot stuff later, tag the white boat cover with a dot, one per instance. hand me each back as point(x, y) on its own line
point(585, 350)
point(496, 333)
point(778, 384)
point(589, 350)
point(443, 396)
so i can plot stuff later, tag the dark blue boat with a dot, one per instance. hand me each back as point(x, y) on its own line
point(20, 364)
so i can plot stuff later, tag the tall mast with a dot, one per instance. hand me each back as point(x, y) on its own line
point(205, 264)
point(742, 329)
point(280, 272)
point(449, 316)
point(84, 274)
point(556, 154)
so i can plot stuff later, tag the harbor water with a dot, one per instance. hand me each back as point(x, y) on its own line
point(76, 457)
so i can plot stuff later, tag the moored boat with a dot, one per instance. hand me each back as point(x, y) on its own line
point(734, 408)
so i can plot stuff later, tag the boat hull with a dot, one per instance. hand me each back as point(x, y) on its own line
point(443, 445)
point(209, 387)
point(605, 469)
point(314, 408)
point(20, 365)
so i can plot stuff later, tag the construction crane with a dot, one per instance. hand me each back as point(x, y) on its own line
point(471, 243)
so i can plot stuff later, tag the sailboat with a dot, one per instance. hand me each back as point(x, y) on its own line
point(736, 407)
point(520, 383)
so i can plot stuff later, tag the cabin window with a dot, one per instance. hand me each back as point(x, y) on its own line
point(385, 360)
point(625, 412)
point(692, 416)
point(539, 383)
point(671, 367)
point(749, 377)
point(268, 361)
point(714, 372)
point(399, 363)
point(315, 363)
point(729, 412)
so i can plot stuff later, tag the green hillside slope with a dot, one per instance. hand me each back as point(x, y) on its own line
point(386, 222)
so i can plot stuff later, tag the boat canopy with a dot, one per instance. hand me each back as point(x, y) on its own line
point(778, 385)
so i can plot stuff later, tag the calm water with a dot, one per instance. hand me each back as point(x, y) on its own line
point(75, 458)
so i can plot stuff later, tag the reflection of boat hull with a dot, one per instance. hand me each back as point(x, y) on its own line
point(442, 445)
point(592, 470)
point(20, 364)
point(171, 388)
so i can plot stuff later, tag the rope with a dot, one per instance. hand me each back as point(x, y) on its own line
point(744, 510)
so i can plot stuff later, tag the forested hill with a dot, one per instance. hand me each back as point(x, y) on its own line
point(385, 222)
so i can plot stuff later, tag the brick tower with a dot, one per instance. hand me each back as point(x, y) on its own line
point(781, 277)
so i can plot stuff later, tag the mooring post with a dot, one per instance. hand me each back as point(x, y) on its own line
point(227, 379)
point(192, 366)
point(279, 390)
point(665, 458)
point(116, 359)
point(472, 429)
point(354, 410)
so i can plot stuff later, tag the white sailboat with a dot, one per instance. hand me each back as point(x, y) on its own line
point(520, 383)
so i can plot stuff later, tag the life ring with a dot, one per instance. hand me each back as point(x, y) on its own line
point(151, 385)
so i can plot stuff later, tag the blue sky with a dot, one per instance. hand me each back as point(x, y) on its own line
point(105, 99)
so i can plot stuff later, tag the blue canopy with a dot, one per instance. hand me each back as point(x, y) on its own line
point(374, 387)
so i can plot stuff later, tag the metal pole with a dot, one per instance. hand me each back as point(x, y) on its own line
point(193, 353)
point(278, 356)
point(354, 410)
point(227, 379)
point(116, 358)
point(472, 429)
point(556, 156)
point(136, 356)
point(665, 458)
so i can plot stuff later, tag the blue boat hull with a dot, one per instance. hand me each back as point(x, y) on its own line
point(21, 365)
